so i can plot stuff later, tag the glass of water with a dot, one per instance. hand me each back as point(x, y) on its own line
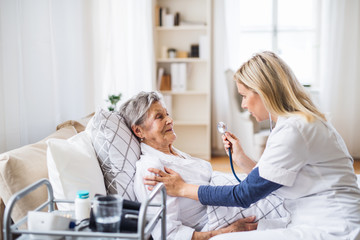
point(107, 212)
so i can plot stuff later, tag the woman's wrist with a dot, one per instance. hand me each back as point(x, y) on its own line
point(206, 235)
point(244, 162)
point(189, 191)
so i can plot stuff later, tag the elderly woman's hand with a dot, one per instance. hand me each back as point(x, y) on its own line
point(244, 224)
point(174, 184)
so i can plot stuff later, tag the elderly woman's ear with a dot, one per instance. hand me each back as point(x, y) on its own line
point(137, 130)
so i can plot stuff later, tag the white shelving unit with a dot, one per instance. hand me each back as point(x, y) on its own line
point(190, 108)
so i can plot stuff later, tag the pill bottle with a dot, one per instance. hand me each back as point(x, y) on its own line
point(82, 205)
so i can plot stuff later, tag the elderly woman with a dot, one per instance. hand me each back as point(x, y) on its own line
point(146, 115)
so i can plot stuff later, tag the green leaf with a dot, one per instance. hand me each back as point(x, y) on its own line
point(113, 99)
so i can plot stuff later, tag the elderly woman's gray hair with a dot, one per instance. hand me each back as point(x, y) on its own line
point(134, 110)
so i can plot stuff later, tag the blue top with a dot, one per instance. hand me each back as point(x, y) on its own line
point(250, 190)
point(82, 194)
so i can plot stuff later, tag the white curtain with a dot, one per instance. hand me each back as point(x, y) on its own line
point(220, 102)
point(59, 59)
point(44, 71)
point(226, 48)
point(124, 58)
point(340, 69)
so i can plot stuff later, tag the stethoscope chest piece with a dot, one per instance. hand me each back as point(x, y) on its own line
point(221, 127)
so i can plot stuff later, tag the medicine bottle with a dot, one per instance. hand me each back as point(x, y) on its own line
point(82, 205)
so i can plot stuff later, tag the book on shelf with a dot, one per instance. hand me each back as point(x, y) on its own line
point(163, 80)
point(157, 15)
point(165, 84)
point(161, 72)
point(174, 73)
point(160, 15)
point(165, 19)
point(179, 77)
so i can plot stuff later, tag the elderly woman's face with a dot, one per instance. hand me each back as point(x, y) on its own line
point(157, 130)
point(253, 103)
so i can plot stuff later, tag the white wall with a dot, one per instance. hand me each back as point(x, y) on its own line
point(60, 60)
point(45, 68)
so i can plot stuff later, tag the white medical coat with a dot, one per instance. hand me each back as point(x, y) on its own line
point(320, 190)
point(183, 215)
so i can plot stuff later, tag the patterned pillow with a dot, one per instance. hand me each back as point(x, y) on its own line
point(269, 208)
point(117, 150)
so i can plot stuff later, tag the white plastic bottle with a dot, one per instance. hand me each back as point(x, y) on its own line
point(82, 205)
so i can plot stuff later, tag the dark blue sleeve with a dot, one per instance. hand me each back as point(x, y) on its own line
point(250, 190)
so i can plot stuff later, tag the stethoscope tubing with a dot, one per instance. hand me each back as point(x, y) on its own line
point(232, 166)
point(230, 156)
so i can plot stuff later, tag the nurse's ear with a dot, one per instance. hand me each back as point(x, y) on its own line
point(138, 131)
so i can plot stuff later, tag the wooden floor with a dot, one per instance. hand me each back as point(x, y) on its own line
point(222, 164)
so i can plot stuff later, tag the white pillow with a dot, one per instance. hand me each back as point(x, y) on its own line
point(73, 166)
point(117, 150)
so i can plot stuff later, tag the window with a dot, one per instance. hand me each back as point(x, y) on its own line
point(289, 28)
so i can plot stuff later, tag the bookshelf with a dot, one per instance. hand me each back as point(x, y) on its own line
point(189, 99)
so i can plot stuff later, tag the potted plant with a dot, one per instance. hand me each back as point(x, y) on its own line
point(113, 99)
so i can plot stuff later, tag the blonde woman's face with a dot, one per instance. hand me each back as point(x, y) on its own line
point(253, 103)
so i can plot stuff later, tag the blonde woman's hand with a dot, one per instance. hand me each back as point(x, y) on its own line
point(231, 141)
point(227, 144)
point(238, 154)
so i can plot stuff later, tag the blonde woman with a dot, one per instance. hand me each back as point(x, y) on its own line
point(305, 162)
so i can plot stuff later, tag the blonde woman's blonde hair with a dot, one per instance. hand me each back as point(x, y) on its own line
point(282, 94)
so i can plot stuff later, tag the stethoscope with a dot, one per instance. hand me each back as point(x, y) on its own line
point(221, 127)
